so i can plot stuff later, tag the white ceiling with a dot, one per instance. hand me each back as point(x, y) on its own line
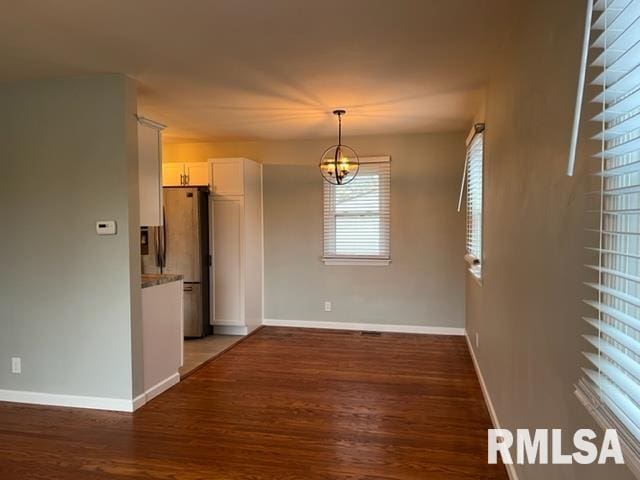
point(256, 69)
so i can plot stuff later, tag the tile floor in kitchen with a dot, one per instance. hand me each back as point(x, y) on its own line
point(198, 351)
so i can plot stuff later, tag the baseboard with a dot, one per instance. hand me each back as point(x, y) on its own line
point(230, 330)
point(156, 390)
point(139, 401)
point(73, 401)
point(374, 327)
point(253, 328)
point(93, 403)
point(511, 469)
point(162, 386)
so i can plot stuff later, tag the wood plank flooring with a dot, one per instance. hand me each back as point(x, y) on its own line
point(282, 404)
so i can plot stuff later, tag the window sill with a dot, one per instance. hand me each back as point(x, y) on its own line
point(369, 262)
point(475, 268)
point(476, 275)
point(607, 419)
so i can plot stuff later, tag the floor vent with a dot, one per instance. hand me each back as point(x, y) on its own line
point(370, 333)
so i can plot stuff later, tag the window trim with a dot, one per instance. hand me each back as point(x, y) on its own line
point(470, 259)
point(364, 260)
point(352, 261)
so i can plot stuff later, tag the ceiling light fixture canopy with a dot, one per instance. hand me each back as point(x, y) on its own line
point(339, 164)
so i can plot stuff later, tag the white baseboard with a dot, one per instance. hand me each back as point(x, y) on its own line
point(139, 401)
point(156, 390)
point(373, 327)
point(511, 469)
point(251, 328)
point(74, 401)
point(230, 329)
point(93, 403)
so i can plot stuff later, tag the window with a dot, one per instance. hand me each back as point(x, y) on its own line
point(611, 385)
point(356, 216)
point(473, 184)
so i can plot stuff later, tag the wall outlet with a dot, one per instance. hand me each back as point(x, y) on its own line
point(477, 339)
point(16, 365)
point(327, 306)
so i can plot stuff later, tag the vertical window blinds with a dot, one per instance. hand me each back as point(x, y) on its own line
point(611, 383)
point(474, 202)
point(356, 215)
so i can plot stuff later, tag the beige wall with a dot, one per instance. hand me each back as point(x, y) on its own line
point(69, 299)
point(527, 311)
point(424, 285)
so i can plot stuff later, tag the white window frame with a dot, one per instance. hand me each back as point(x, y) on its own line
point(474, 171)
point(356, 260)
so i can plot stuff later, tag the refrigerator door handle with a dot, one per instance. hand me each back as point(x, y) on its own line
point(164, 238)
point(156, 245)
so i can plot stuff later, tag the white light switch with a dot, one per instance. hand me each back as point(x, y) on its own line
point(327, 306)
point(106, 227)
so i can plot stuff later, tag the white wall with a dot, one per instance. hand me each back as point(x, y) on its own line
point(69, 299)
point(424, 285)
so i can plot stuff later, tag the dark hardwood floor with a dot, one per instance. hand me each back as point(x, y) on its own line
point(283, 404)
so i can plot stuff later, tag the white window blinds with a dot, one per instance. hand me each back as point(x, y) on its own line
point(611, 384)
point(475, 152)
point(356, 215)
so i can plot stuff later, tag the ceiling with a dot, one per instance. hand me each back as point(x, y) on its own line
point(216, 70)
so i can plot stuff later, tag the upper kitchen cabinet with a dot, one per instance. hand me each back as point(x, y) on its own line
point(197, 174)
point(149, 171)
point(172, 174)
point(191, 174)
point(228, 176)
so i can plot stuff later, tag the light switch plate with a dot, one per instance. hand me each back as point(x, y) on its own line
point(106, 227)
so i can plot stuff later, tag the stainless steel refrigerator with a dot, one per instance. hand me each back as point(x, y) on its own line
point(182, 246)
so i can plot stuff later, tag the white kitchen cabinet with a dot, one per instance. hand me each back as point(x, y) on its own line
point(236, 237)
point(227, 176)
point(149, 171)
point(190, 174)
point(172, 174)
point(197, 174)
point(227, 213)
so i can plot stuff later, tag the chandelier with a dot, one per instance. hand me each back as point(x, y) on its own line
point(339, 164)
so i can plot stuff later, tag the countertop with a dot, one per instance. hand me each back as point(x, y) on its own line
point(153, 279)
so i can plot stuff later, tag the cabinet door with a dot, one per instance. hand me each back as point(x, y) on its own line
point(197, 173)
point(149, 178)
point(227, 176)
point(227, 264)
point(172, 174)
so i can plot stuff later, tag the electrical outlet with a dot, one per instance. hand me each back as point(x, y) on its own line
point(327, 306)
point(477, 339)
point(16, 365)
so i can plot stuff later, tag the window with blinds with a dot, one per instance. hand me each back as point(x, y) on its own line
point(356, 216)
point(475, 152)
point(611, 383)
